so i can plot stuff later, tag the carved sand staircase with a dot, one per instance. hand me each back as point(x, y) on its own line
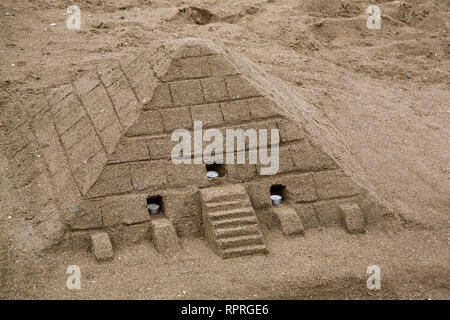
point(230, 223)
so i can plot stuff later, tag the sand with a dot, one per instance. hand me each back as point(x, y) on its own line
point(383, 94)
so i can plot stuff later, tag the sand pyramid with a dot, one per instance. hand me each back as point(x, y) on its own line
point(109, 144)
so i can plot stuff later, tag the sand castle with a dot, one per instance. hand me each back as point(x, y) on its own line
point(109, 156)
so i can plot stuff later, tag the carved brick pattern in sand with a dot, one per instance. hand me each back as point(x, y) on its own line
point(115, 138)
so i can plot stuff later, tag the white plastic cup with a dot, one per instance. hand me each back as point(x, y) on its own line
point(212, 174)
point(276, 199)
point(153, 208)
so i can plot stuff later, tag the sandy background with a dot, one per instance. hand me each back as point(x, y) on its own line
point(383, 93)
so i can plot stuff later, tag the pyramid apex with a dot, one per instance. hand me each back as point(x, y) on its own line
point(191, 47)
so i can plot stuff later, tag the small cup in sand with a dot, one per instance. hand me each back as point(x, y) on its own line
point(276, 199)
point(212, 174)
point(153, 208)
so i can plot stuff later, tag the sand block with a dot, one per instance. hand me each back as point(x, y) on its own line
point(259, 194)
point(289, 220)
point(353, 218)
point(176, 118)
point(307, 215)
point(164, 236)
point(214, 89)
point(186, 92)
point(108, 138)
point(209, 114)
point(101, 246)
point(239, 87)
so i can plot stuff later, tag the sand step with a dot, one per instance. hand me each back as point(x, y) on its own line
point(231, 213)
point(240, 241)
point(224, 205)
point(236, 231)
point(243, 251)
point(226, 197)
point(234, 222)
point(223, 193)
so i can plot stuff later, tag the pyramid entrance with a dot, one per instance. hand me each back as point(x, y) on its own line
point(230, 223)
point(278, 192)
point(215, 170)
point(109, 148)
point(155, 206)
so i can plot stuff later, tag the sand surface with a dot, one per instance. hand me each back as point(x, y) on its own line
point(383, 94)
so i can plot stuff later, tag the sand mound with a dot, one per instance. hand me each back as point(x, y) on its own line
point(330, 8)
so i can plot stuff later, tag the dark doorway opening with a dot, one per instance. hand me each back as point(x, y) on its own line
point(277, 191)
point(215, 167)
point(155, 205)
